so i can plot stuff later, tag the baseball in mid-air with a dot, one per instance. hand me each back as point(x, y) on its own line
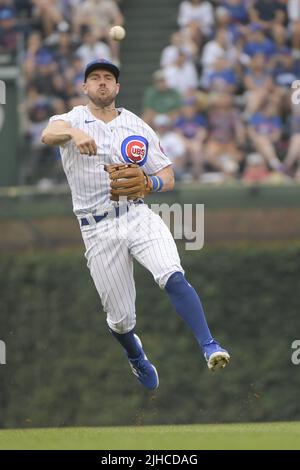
point(117, 33)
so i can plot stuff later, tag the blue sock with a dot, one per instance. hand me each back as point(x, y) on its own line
point(129, 343)
point(187, 304)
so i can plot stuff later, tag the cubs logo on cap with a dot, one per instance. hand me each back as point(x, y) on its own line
point(134, 149)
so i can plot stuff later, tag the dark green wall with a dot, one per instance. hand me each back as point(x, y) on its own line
point(9, 136)
point(63, 368)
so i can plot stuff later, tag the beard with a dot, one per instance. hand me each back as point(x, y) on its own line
point(103, 101)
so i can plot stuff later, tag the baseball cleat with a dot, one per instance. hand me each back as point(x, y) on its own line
point(142, 368)
point(216, 357)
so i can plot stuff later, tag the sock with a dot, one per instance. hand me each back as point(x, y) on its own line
point(187, 304)
point(129, 343)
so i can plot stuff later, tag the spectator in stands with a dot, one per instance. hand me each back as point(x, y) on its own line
point(217, 48)
point(39, 113)
point(294, 23)
point(41, 162)
point(226, 135)
point(285, 69)
point(178, 40)
point(100, 16)
point(8, 32)
point(171, 144)
point(257, 42)
point(170, 53)
point(279, 35)
point(237, 10)
point(67, 7)
point(92, 48)
point(248, 60)
point(54, 38)
point(35, 49)
point(268, 12)
point(213, 50)
point(160, 99)
point(222, 78)
point(233, 30)
point(32, 95)
point(64, 51)
point(192, 37)
point(258, 83)
point(75, 77)
point(199, 12)
point(191, 125)
point(182, 75)
point(265, 130)
point(44, 75)
point(49, 14)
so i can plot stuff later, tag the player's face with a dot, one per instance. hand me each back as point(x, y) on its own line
point(101, 87)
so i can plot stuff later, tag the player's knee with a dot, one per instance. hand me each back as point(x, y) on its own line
point(122, 326)
point(177, 283)
point(163, 279)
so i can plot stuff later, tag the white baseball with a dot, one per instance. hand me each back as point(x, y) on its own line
point(117, 33)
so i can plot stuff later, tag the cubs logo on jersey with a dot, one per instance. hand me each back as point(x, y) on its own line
point(134, 149)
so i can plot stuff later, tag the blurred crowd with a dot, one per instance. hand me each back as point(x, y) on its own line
point(222, 101)
point(58, 38)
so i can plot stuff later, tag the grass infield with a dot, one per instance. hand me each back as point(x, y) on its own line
point(197, 437)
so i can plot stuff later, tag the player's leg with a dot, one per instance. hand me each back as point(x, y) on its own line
point(188, 305)
point(156, 250)
point(153, 246)
point(111, 268)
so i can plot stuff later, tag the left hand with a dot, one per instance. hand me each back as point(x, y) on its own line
point(128, 180)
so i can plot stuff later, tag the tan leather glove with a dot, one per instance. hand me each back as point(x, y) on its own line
point(128, 180)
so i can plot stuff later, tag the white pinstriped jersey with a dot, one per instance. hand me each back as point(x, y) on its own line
point(127, 138)
point(113, 243)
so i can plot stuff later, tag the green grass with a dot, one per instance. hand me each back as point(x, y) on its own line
point(197, 437)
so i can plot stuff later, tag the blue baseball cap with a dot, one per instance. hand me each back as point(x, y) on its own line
point(101, 64)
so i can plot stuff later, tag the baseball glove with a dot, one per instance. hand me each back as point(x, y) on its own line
point(128, 180)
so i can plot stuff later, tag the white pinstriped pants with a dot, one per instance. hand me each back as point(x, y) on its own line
point(111, 245)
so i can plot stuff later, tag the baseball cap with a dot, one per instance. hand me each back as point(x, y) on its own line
point(101, 64)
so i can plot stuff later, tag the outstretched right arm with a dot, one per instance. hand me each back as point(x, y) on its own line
point(57, 133)
point(60, 132)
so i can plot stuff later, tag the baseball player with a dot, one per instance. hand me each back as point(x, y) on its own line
point(112, 160)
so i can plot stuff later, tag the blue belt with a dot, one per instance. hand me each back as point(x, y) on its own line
point(98, 218)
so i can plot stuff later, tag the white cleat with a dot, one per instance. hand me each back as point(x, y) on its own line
point(216, 357)
point(218, 360)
